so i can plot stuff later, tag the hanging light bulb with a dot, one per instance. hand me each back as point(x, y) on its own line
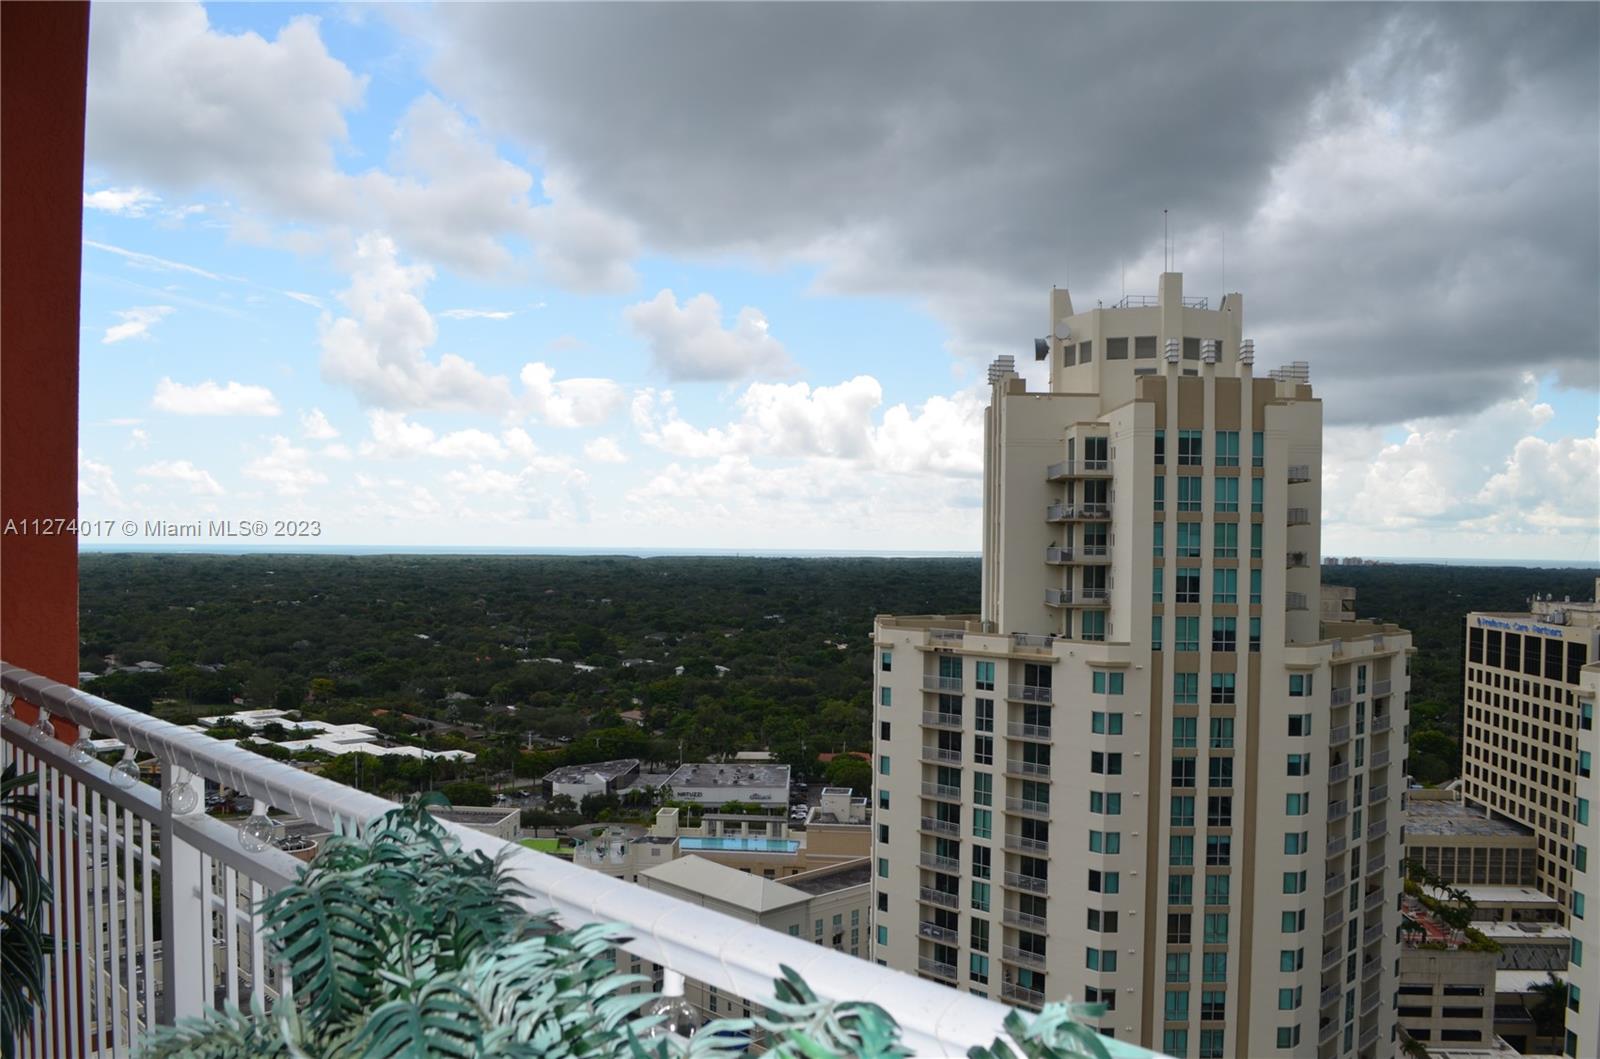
point(6, 699)
point(255, 834)
point(679, 1016)
point(83, 749)
point(126, 772)
point(42, 729)
point(181, 796)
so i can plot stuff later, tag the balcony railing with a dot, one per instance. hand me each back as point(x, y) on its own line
point(1330, 886)
point(1058, 555)
point(936, 968)
point(939, 755)
point(1299, 516)
point(1027, 693)
point(1381, 722)
point(1012, 954)
point(942, 791)
point(1328, 1030)
point(1339, 735)
point(942, 898)
point(1338, 811)
point(1058, 597)
point(1329, 995)
point(1020, 994)
point(1084, 553)
point(1295, 601)
point(936, 719)
point(1022, 767)
point(938, 863)
point(1380, 688)
point(1377, 864)
point(946, 635)
point(1077, 469)
point(1372, 934)
point(1019, 730)
point(935, 682)
point(1333, 920)
point(1378, 829)
point(1338, 773)
point(1094, 596)
point(1380, 792)
point(1028, 807)
point(1339, 697)
point(1370, 996)
point(126, 989)
point(1022, 844)
point(1299, 472)
point(1028, 920)
point(1380, 758)
point(1030, 641)
point(940, 827)
point(1373, 901)
point(1031, 883)
point(1369, 1037)
point(935, 932)
point(1332, 955)
point(1336, 845)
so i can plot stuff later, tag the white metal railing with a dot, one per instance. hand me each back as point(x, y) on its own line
point(1295, 601)
point(1028, 692)
point(1058, 597)
point(1028, 806)
point(1338, 810)
point(1380, 688)
point(1057, 512)
point(947, 635)
point(1030, 883)
point(1299, 472)
point(941, 755)
point(1022, 730)
point(1339, 735)
point(937, 719)
point(942, 791)
point(1376, 864)
point(1022, 767)
point(1338, 773)
point(1026, 957)
point(1380, 758)
point(1381, 722)
point(210, 936)
point(1332, 956)
point(1058, 555)
point(1299, 516)
point(940, 827)
point(1031, 639)
point(1339, 697)
point(1333, 920)
point(938, 863)
point(935, 682)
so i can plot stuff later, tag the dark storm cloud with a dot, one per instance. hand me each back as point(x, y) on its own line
point(1408, 193)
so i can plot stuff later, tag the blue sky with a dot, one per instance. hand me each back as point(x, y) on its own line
point(429, 276)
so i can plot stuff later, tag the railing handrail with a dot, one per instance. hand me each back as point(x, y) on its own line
point(736, 956)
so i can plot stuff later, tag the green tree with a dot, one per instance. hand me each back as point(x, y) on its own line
point(850, 771)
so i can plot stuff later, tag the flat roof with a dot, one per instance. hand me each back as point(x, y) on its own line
point(1503, 895)
point(1503, 931)
point(709, 880)
point(1445, 817)
point(593, 770)
point(855, 873)
point(706, 774)
point(1523, 981)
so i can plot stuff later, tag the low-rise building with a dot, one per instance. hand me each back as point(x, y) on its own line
point(491, 820)
point(717, 784)
point(1468, 845)
point(1447, 981)
point(594, 777)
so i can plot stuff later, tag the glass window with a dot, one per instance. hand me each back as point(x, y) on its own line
point(1224, 634)
point(1188, 540)
point(1225, 584)
point(1180, 850)
point(1222, 733)
point(1214, 967)
point(883, 696)
point(1186, 689)
point(1255, 495)
point(1225, 540)
point(1177, 1001)
point(1258, 449)
point(1183, 731)
point(1175, 1043)
point(1255, 635)
point(1216, 928)
point(985, 676)
point(883, 765)
point(1255, 586)
point(982, 788)
point(1188, 590)
point(1186, 634)
point(1191, 447)
point(1227, 448)
point(1155, 632)
point(1182, 807)
point(1227, 490)
point(1093, 625)
point(886, 660)
point(1158, 538)
point(1160, 495)
point(1189, 494)
point(1217, 889)
point(1222, 689)
point(1255, 540)
point(1296, 804)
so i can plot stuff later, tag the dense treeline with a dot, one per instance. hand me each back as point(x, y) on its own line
point(532, 661)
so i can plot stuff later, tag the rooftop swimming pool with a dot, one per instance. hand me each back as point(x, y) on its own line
point(742, 844)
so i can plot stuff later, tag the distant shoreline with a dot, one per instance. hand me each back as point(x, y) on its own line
point(726, 553)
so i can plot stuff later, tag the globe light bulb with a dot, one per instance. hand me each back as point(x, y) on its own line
point(181, 795)
point(679, 1016)
point(255, 834)
point(6, 699)
point(126, 772)
point(83, 750)
point(42, 729)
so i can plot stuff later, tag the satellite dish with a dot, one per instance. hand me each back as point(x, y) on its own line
point(1063, 332)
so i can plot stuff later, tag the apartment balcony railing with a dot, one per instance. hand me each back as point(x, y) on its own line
point(1377, 864)
point(1296, 559)
point(1338, 773)
point(1299, 516)
point(1340, 696)
point(1329, 996)
point(938, 863)
point(1327, 1031)
point(1058, 597)
point(1019, 730)
point(1333, 920)
point(1338, 811)
point(1369, 1037)
point(1334, 883)
point(1337, 845)
point(1028, 920)
point(942, 898)
point(1031, 641)
point(1028, 807)
point(1373, 901)
point(1380, 758)
point(1378, 829)
point(1012, 954)
point(935, 682)
point(1031, 883)
point(1370, 997)
point(1372, 934)
point(935, 932)
point(1379, 792)
point(1022, 844)
point(1058, 512)
point(1019, 994)
point(1380, 688)
point(936, 719)
point(1086, 512)
point(1094, 597)
point(942, 791)
point(940, 827)
point(946, 635)
point(133, 838)
point(939, 755)
point(1382, 722)
point(1339, 735)
point(1058, 555)
point(1021, 767)
point(1332, 955)
point(1077, 469)
point(1295, 601)
point(946, 971)
point(1083, 553)
point(1027, 693)
point(1299, 472)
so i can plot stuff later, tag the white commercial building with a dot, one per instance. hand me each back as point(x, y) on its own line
point(1146, 773)
point(718, 784)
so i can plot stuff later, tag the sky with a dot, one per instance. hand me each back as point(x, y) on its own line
point(728, 276)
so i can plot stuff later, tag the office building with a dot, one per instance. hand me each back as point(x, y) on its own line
point(1148, 773)
point(1467, 845)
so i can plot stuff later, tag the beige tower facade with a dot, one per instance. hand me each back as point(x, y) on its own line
point(1529, 754)
point(1147, 774)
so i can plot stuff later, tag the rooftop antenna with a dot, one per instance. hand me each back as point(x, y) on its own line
point(1166, 244)
point(1224, 264)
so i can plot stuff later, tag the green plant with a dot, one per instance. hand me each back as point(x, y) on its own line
point(23, 943)
point(400, 944)
point(1549, 1010)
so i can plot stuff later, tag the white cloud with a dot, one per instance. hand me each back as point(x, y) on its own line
point(379, 350)
point(477, 314)
point(305, 299)
point(315, 426)
point(604, 450)
point(688, 342)
point(138, 259)
point(289, 469)
point(570, 402)
point(97, 482)
point(138, 439)
point(200, 482)
point(136, 322)
point(127, 202)
point(209, 399)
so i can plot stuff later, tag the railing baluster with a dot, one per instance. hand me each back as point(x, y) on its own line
point(93, 948)
point(258, 942)
point(50, 850)
point(147, 951)
point(230, 891)
point(119, 1043)
point(129, 927)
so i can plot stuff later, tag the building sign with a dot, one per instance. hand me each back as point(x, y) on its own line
point(1521, 626)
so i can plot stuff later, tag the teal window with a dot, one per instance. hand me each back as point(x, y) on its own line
point(1176, 1008)
point(1107, 842)
point(1211, 1040)
point(1161, 448)
point(982, 788)
point(1186, 633)
point(1577, 953)
point(1182, 810)
point(1255, 495)
point(883, 799)
point(1160, 495)
point(1102, 960)
point(980, 896)
point(1186, 689)
point(1296, 804)
point(1183, 732)
point(1180, 851)
point(1289, 999)
point(1578, 903)
point(982, 823)
point(1295, 922)
point(1188, 584)
point(1291, 959)
point(1227, 448)
point(1288, 1036)
point(883, 870)
point(1585, 764)
point(1296, 842)
point(1580, 858)
point(1214, 967)
point(1177, 967)
point(1105, 683)
point(1105, 724)
point(1258, 449)
point(1158, 539)
point(883, 765)
point(1216, 928)
point(1222, 689)
point(1155, 632)
point(1300, 685)
point(886, 660)
point(1188, 540)
point(1255, 540)
point(883, 934)
point(1191, 448)
point(1104, 803)
point(1227, 490)
point(1093, 625)
point(883, 696)
point(1175, 1043)
point(1155, 586)
point(1189, 494)
point(1225, 634)
point(1225, 540)
point(1582, 814)
point(1255, 635)
point(1217, 889)
point(985, 676)
point(1255, 586)
point(1225, 584)
point(979, 967)
point(1222, 733)
point(1294, 882)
